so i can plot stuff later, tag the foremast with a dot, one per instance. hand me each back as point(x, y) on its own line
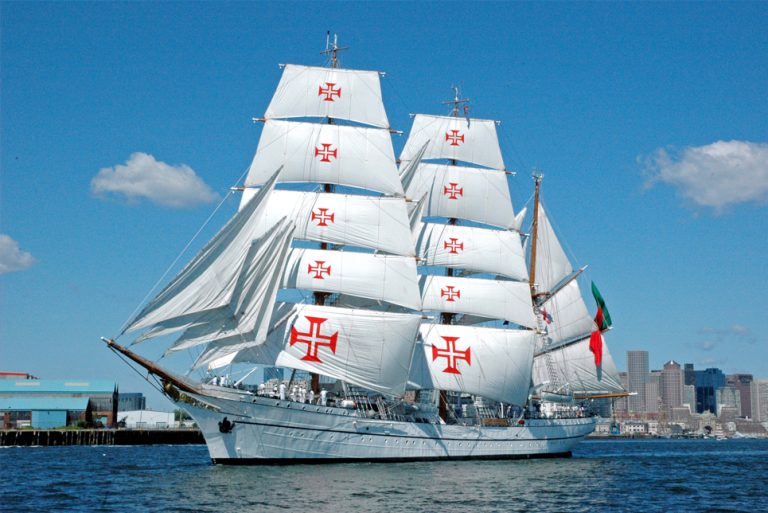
point(328, 127)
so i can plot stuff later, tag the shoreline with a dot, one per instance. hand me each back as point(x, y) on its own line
point(62, 437)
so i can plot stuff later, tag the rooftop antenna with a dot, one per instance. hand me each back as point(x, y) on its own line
point(333, 48)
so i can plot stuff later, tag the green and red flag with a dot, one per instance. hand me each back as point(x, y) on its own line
point(596, 339)
point(602, 310)
point(603, 322)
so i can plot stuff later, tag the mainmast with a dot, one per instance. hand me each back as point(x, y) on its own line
point(534, 235)
point(331, 49)
point(447, 317)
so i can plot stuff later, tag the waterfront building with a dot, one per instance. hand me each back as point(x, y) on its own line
point(634, 428)
point(146, 419)
point(56, 403)
point(637, 372)
point(672, 379)
point(743, 383)
point(728, 401)
point(680, 415)
point(131, 401)
point(707, 382)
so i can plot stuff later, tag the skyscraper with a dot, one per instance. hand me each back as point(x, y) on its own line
point(637, 371)
point(759, 394)
point(690, 374)
point(742, 383)
point(707, 382)
point(672, 378)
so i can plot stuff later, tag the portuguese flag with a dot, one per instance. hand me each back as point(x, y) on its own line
point(603, 322)
point(602, 310)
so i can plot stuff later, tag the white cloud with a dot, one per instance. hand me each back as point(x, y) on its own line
point(12, 258)
point(715, 176)
point(144, 177)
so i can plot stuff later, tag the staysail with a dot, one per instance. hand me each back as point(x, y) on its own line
point(564, 361)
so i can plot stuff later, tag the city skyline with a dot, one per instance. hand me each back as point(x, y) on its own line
point(124, 124)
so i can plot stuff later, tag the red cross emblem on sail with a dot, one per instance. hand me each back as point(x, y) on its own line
point(322, 216)
point(453, 245)
point(325, 153)
point(455, 137)
point(454, 191)
point(329, 91)
point(314, 339)
point(450, 293)
point(320, 269)
point(451, 354)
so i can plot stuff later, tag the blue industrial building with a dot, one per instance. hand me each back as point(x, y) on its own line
point(41, 403)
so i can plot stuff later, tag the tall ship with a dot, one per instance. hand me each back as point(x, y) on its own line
point(413, 317)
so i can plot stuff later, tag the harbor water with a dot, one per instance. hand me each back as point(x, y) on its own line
point(613, 475)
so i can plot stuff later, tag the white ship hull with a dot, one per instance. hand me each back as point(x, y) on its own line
point(268, 430)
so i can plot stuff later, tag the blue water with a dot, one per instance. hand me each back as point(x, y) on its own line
point(632, 476)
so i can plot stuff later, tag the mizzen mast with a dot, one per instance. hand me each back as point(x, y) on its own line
point(534, 235)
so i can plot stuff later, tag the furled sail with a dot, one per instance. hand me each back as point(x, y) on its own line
point(466, 140)
point(209, 280)
point(493, 299)
point(473, 249)
point(469, 193)
point(493, 363)
point(309, 91)
point(380, 277)
point(575, 365)
point(322, 153)
point(378, 223)
point(365, 348)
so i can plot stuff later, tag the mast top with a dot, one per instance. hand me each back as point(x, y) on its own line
point(457, 100)
point(332, 49)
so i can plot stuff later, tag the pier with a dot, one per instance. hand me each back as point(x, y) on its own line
point(52, 437)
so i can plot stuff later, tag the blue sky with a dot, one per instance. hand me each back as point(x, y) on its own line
point(649, 121)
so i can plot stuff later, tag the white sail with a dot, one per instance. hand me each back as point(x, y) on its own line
point(380, 277)
point(575, 365)
point(238, 349)
point(494, 299)
point(408, 169)
point(308, 91)
point(565, 315)
point(493, 363)
point(364, 348)
point(322, 153)
point(208, 281)
point(464, 192)
point(248, 312)
point(552, 265)
point(379, 223)
point(474, 249)
point(519, 218)
point(466, 140)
